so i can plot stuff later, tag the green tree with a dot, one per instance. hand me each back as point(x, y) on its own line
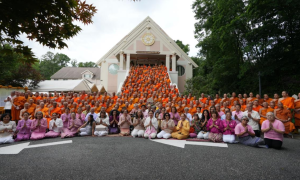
point(50, 63)
point(47, 22)
point(14, 71)
point(184, 47)
point(74, 63)
point(241, 39)
point(87, 64)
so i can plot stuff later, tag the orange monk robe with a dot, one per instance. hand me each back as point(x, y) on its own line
point(264, 113)
point(253, 99)
point(97, 109)
point(288, 102)
point(203, 100)
point(18, 101)
point(38, 98)
point(193, 110)
point(31, 110)
point(268, 100)
point(285, 114)
point(107, 97)
point(217, 101)
point(114, 98)
point(180, 110)
point(257, 108)
point(202, 109)
point(56, 110)
point(232, 101)
point(135, 100)
point(82, 97)
point(130, 107)
point(243, 107)
point(178, 99)
point(58, 99)
point(45, 111)
point(297, 114)
point(108, 109)
point(260, 101)
point(76, 99)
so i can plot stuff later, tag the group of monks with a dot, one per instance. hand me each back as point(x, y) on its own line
point(151, 85)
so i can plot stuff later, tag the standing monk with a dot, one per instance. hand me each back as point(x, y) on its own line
point(297, 112)
point(284, 115)
point(18, 104)
point(288, 102)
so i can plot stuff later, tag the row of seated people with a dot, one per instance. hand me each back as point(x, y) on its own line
point(54, 106)
point(149, 124)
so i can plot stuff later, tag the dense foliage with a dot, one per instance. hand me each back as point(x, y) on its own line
point(240, 40)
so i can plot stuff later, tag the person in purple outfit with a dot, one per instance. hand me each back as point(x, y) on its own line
point(229, 126)
point(80, 115)
point(215, 127)
point(113, 123)
point(73, 125)
point(23, 128)
point(174, 115)
point(38, 126)
point(66, 118)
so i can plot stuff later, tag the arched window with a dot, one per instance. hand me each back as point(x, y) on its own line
point(113, 69)
point(180, 70)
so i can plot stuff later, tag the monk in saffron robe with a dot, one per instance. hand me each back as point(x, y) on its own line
point(203, 98)
point(284, 115)
point(31, 108)
point(267, 99)
point(288, 102)
point(54, 109)
point(297, 112)
point(263, 112)
point(217, 99)
point(18, 104)
point(256, 107)
point(260, 100)
point(276, 99)
point(232, 99)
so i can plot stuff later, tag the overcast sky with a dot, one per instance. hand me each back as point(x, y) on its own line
point(116, 18)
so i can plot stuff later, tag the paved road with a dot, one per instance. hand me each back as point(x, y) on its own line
point(128, 158)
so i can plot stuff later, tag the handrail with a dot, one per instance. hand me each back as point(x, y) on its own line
point(121, 84)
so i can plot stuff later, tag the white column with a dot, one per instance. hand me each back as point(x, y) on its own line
point(121, 61)
point(168, 62)
point(174, 62)
point(128, 62)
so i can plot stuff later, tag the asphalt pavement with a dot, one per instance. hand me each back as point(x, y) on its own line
point(137, 158)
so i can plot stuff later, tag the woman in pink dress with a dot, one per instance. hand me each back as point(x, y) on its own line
point(124, 123)
point(55, 127)
point(23, 128)
point(66, 117)
point(38, 127)
point(74, 124)
point(215, 127)
point(80, 115)
point(174, 115)
point(151, 126)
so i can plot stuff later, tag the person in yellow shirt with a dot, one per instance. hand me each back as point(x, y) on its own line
point(183, 128)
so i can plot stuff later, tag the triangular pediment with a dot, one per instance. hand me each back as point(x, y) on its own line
point(133, 42)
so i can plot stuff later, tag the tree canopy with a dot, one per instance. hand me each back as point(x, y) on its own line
point(242, 40)
point(48, 22)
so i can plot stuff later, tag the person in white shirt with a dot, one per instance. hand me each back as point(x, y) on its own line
point(55, 127)
point(188, 115)
point(199, 112)
point(102, 123)
point(8, 102)
point(151, 125)
point(254, 119)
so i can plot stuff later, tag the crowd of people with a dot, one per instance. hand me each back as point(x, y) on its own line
point(148, 106)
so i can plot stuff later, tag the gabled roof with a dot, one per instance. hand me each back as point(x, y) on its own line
point(137, 31)
point(75, 73)
point(69, 85)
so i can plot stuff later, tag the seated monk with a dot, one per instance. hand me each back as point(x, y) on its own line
point(217, 99)
point(203, 98)
point(267, 99)
point(233, 99)
point(31, 109)
point(260, 100)
point(251, 98)
point(284, 115)
point(275, 99)
point(256, 107)
point(263, 112)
